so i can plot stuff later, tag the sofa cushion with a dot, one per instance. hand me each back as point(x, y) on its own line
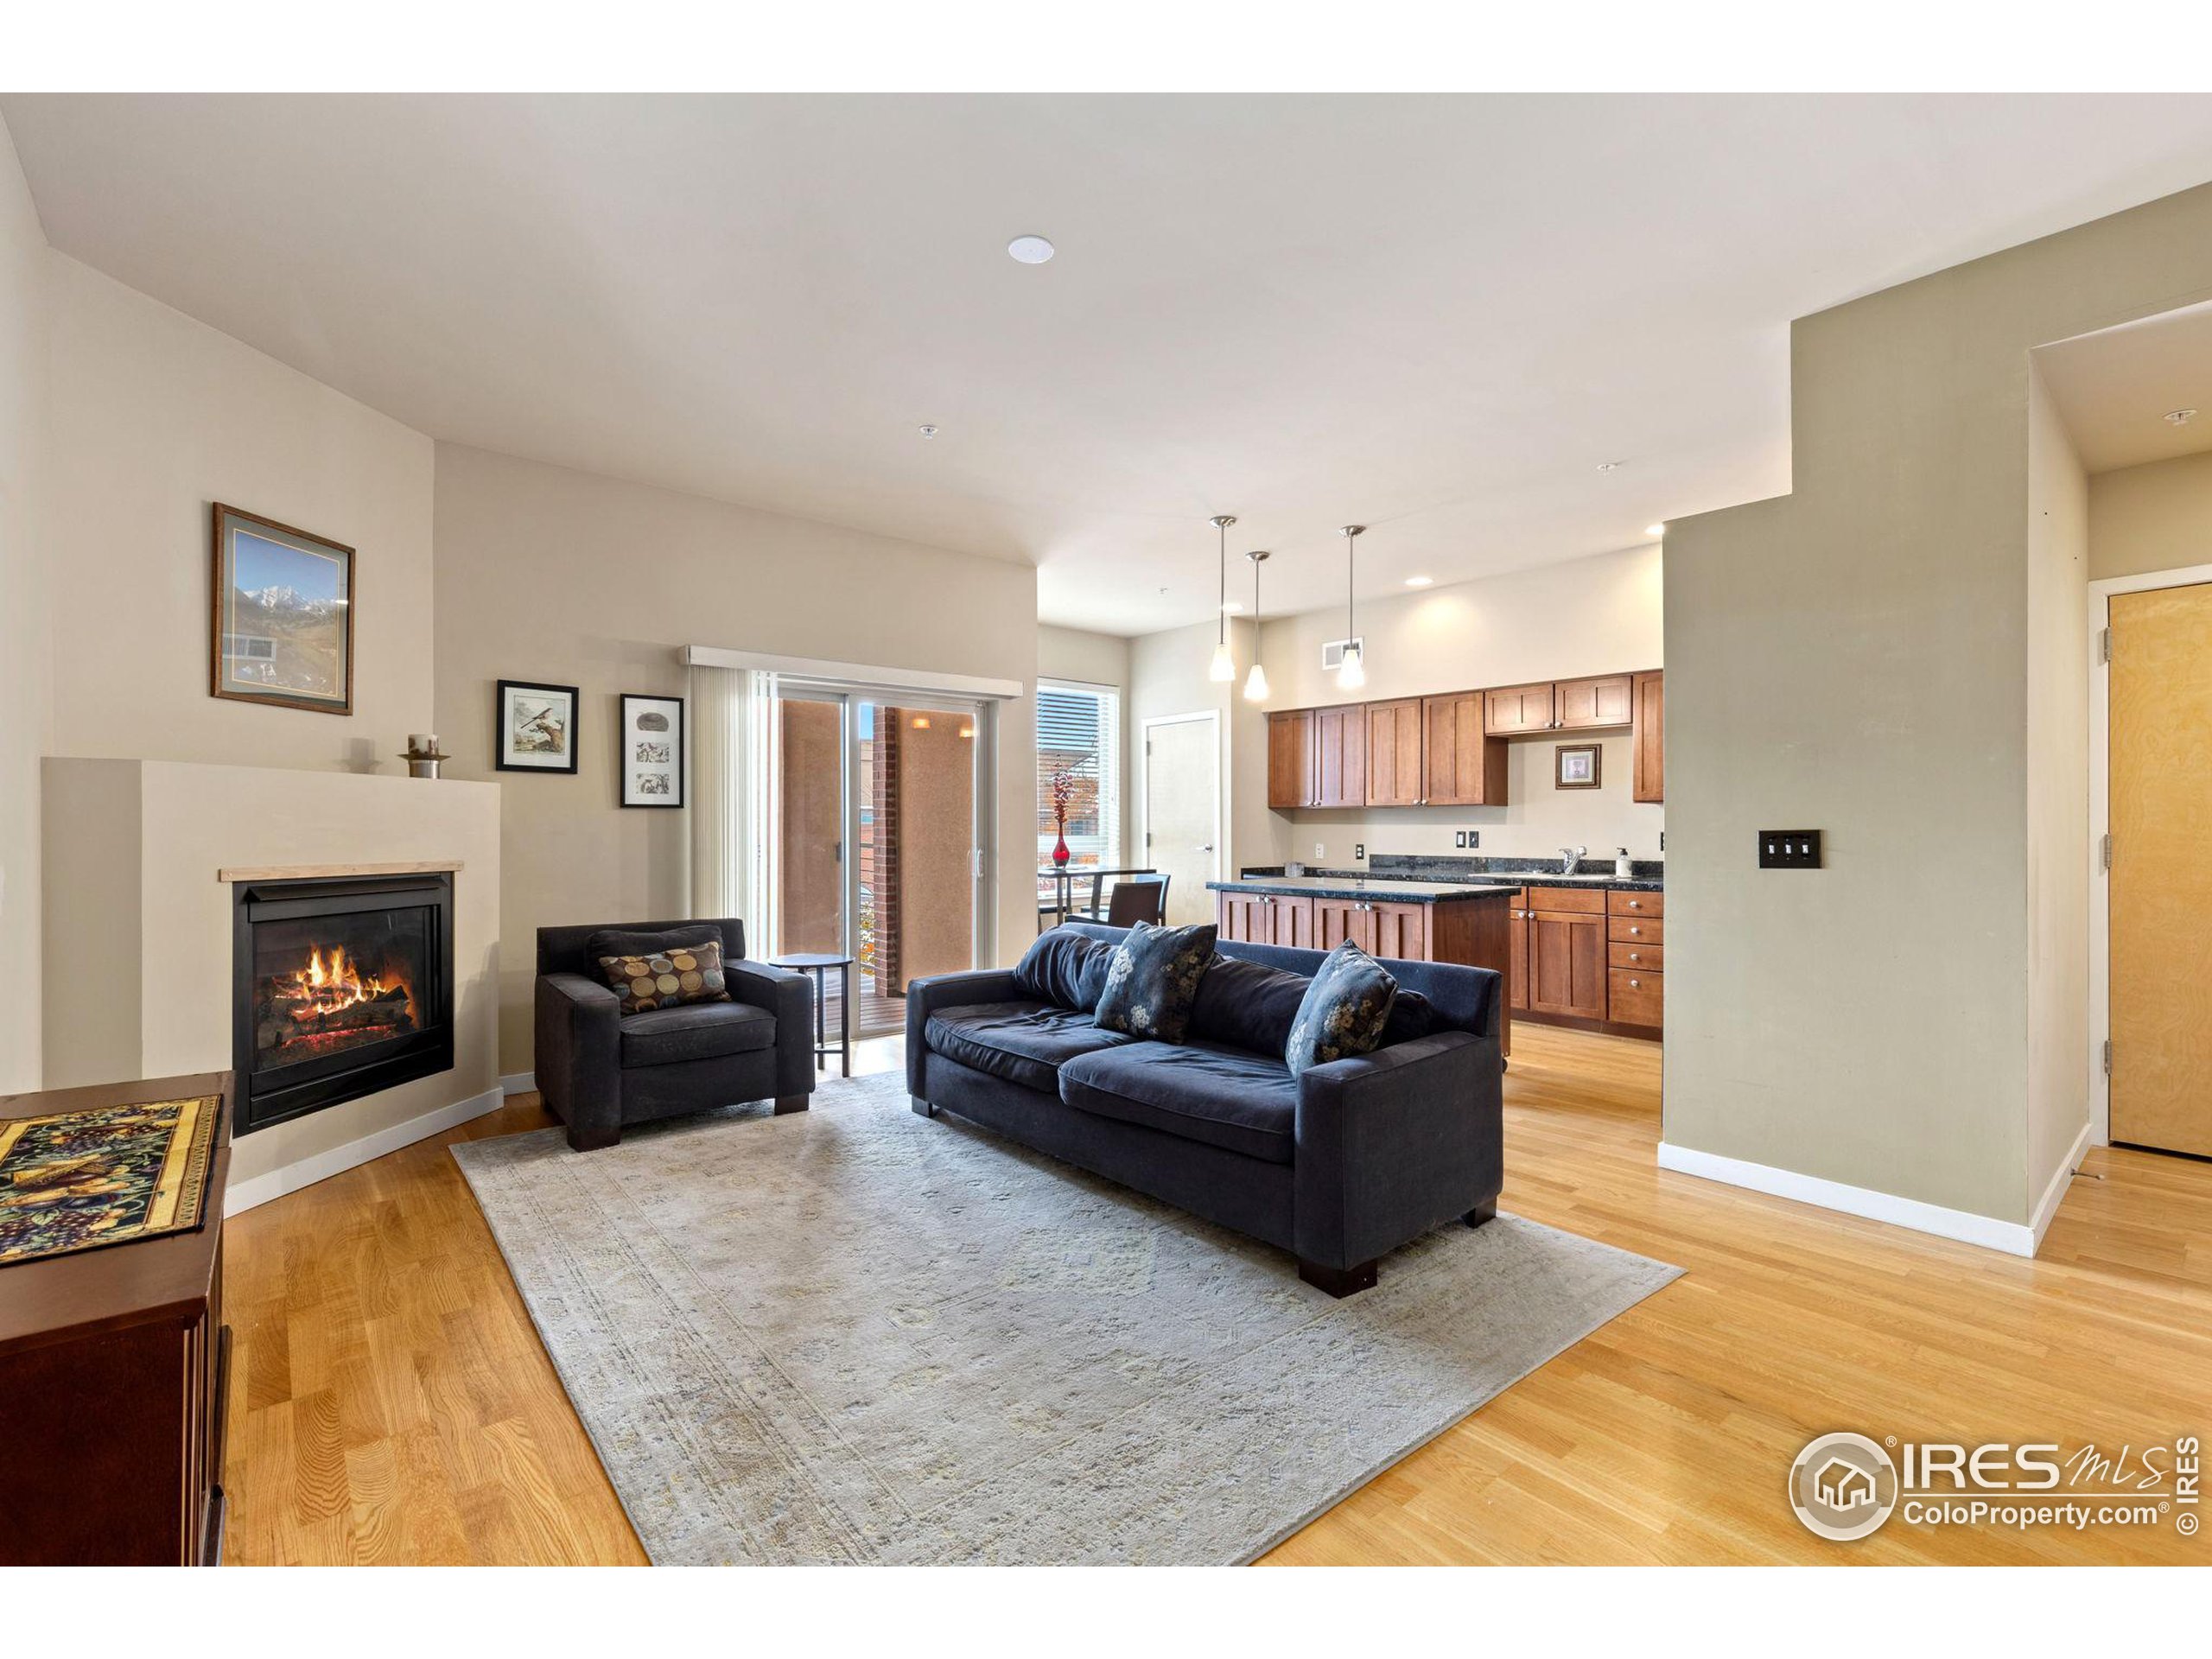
point(1152, 980)
point(1023, 1042)
point(1344, 1011)
point(1413, 1016)
point(1198, 1091)
point(646, 941)
point(669, 979)
point(695, 1030)
point(1243, 1005)
point(1065, 969)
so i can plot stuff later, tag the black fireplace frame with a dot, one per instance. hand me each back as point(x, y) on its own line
point(269, 1095)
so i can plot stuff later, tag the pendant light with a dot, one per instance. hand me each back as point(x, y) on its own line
point(1225, 665)
point(1353, 674)
point(1255, 683)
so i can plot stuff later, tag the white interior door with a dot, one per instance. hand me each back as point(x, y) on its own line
point(1182, 812)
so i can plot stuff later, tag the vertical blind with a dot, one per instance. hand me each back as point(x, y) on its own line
point(1078, 738)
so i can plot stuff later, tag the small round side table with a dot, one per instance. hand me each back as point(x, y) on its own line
point(819, 963)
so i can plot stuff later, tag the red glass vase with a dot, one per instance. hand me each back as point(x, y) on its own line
point(1060, 848)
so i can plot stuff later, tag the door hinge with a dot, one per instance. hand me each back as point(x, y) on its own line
point(2105, 852)
point(2104, 645)
point(1147, 837)
point(837, 852)
point(2107, 1059)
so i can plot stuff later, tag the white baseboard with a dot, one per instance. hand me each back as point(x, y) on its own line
point(2055, 1194)
point(246, 1195)
point(2010, 1236)
point(519, 1083)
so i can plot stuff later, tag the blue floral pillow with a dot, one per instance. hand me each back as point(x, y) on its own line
point(1152, 981)
point(1343, 1012)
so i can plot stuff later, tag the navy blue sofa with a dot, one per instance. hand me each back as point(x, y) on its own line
point(1339, 1166)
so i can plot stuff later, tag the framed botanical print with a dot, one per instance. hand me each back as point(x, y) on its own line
point(281, 615)
point(652, 751)
point(1578, 765)
point(537, 726)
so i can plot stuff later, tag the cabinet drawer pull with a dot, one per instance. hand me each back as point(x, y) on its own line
point(1635, 956)
point(1636, 984)
point(1635, 904)
point(1635, 930)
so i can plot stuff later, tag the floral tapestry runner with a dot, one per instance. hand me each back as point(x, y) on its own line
point(78, 1180)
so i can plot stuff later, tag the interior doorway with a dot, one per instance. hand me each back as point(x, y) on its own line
point(874, 848)
point(1182, 810)
point(2158, 798)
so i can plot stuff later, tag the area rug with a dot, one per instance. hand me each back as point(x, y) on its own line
point(855, 1334)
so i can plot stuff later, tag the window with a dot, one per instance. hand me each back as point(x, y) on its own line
point(1079, 748)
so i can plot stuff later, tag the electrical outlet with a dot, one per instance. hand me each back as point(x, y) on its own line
point(1319, 852)
point(1474, 839)
point(1358, 851)
point(1459, 839)
point(1789, 849)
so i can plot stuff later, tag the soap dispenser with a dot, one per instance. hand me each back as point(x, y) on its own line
point(1623, 867)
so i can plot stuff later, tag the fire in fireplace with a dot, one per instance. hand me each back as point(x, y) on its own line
point(343, 986)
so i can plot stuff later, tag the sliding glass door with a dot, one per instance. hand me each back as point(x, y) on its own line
point(874, 848)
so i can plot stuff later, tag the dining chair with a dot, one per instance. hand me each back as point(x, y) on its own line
point(1138, 899)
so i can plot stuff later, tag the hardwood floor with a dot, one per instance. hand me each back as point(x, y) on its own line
point(391, 1402)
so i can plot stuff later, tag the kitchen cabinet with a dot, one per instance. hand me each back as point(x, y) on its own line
point(1340, 756)
point(1394, 752)
point(1651, 737)
point(1461, 764)
point(1290, 759)
point(1583, 705)
point(1517, 952)
point(1379, 926)
point(1635, 958)
point(1264, 918)
point(1515, 709)
point(1566, 951)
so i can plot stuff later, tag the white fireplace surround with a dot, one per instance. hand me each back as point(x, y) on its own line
point(139, 859)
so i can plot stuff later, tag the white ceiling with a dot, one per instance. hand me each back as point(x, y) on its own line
point(2115, 388)
point(1433, 316)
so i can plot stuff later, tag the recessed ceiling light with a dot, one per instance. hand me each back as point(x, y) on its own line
point(1030, 249)
point(2181, 416)
point(1609, 466)
point(1654, 530)
point(928, 431)
point(1419, 582)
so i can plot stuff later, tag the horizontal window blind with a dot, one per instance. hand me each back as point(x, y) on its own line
point(1078, 739)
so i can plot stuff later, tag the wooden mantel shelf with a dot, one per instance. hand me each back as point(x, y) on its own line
point(323, 872)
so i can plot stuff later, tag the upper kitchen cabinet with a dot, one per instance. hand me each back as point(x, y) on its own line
point(1514, 708)
point(1579, 705)
point(1461, 764)
point(1290, 759)
point(1393, 754)
point(1340, 756)
point(1650, 742)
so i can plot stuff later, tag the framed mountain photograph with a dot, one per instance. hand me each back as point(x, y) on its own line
point(652, 751)
point(280, 627)
point(537, 726)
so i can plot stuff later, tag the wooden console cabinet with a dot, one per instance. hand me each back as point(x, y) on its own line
point(114, 1373)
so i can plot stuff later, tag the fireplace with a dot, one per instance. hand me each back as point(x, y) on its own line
point(339, 986)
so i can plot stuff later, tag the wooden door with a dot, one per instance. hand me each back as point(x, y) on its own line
point(1650, 739)
point(1514, 709)
point(1394, 752)
point(1340, 756)
point(1516, 952)
point(1290, 759)
point(2161, 882)
point(1290, 921)
point(1401, 930)
point(1336, 920)
point(1567, 964)
point(1608, 700)
point(1461, 764)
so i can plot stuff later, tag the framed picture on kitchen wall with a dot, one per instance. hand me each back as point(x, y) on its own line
point(536, 727)
point(652, 751)
point(280, 629)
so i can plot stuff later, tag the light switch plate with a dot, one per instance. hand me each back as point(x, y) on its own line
point(1358, 851)
point(1789, 849)
point(1459, 839)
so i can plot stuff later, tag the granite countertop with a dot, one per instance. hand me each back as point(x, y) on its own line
point(1435, 884)
point(1352, 886)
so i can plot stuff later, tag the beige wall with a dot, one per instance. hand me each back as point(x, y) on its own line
point(551, 575)
point(2058, 797)
point(25, 703)
point(132, 849)
point(155, 416)
point(1854, 657)
point(2157, 516)
point(1167, 676)
point(1558, 622)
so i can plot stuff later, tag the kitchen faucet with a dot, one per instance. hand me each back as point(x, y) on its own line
point(1573, 857)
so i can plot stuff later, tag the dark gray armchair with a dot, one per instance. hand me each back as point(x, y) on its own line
point(599, 1070)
